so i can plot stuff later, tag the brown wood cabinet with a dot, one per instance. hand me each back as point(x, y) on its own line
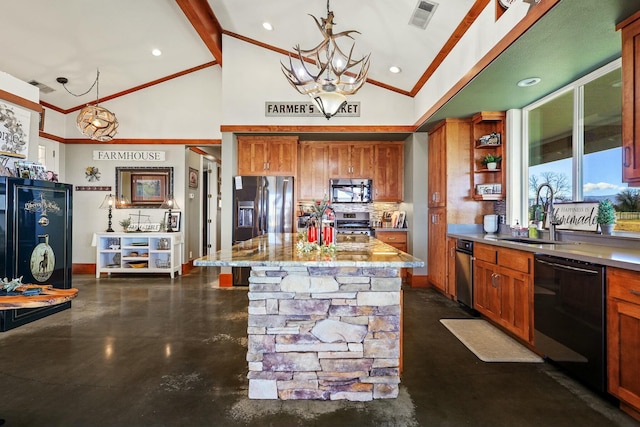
point(623, 338)
point(503, 288)
point(449, 201)
point(437, 248)
point(630, 99)
point(451, 269)
point(267, 155)
point(313, 170)
point(350, 160)
point(397, 239)
point(388, 173)
point(488, 184)
point(320, 161)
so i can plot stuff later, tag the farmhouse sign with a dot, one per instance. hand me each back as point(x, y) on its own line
point(576, 216)
point(306, 109)
point(134, 156)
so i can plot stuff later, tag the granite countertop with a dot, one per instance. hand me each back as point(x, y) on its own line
point(622, 257)
point(280, 250)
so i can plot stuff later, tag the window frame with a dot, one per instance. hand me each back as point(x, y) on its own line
point(577, 138)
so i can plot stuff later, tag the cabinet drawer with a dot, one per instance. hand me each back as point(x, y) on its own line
point(624, 285)
point(516, 260)
point(390, 237)
point(486, 253)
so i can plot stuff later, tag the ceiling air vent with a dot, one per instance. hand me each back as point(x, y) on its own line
point(422, 14)
point(43, 87)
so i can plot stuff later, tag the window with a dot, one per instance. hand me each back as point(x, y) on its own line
point(574, 140)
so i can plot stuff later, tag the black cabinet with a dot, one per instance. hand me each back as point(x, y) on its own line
point(35, 240)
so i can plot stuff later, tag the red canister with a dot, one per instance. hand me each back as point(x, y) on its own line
point(312, 233)
point(327, 234)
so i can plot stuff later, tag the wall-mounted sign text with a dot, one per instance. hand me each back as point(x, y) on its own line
point(576, 216)
point(306, 109)
point(133, 156)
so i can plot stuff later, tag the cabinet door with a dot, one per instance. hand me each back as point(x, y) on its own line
point(437, 248)
point(623, 336)
point(339, 160)
point(437, 167)
point(451, 266)
point(630, 102)
point(623, 347)
point(252, 156)
point(313, 171)
point(362, 161)
point(515, 302)
point(388, 172)
point(486, 289)
point(282, 156)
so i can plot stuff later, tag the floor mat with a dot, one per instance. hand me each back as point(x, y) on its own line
point(489, 343)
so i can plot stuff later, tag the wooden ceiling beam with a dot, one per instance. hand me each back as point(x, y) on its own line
point(204, 21)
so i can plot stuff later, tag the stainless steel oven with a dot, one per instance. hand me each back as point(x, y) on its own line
point(353, 223)
point(569, 317)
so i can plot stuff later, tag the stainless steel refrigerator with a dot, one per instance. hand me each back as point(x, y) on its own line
point(261, 204)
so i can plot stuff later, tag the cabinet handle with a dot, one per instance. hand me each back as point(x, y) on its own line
point(626, 155)
point(391, 238)
point(634, 292)
point(452, 252)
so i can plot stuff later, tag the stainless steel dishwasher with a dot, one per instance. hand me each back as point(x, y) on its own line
point(569, 317)
point(464, 272)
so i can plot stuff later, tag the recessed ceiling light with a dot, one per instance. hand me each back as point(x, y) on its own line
point(395, 70)
point(156, 52)
point(267, 26)
point(529, 81)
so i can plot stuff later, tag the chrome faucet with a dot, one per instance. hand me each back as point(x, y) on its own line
point(550, 216)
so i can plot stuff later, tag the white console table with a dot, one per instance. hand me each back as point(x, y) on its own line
point(138, 253)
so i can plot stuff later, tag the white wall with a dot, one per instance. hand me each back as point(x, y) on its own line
point(187, 107)
point(416, 197)
point(244, 95)
point(481, 37)
point(87, 217)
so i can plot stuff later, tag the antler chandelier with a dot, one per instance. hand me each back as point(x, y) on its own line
point(94, 121)
point(335, 74)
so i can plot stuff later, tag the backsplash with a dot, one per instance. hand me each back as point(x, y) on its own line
point(375, 209)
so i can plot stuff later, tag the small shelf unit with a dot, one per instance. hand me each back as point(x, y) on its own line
point(138, 253)
point(488, 184)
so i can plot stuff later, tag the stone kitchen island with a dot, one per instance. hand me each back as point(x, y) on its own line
point(322, 325)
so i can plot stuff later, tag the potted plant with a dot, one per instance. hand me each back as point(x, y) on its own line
point(125, 223)
point(491, 161)
point(606, 216)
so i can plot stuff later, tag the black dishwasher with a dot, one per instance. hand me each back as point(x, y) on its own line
point(569, 317)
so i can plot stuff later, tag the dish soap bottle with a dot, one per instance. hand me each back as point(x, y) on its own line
point(533, 230)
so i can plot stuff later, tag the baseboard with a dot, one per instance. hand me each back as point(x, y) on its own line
point(225, 280)
point(83, 269)
point(418, 281)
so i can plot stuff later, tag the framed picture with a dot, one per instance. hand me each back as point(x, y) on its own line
point(148, 188)
point(173, 222)
point(193, 178)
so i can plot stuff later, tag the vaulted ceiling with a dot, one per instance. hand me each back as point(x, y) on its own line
point(44, 39)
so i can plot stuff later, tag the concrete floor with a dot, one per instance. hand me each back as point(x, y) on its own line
point(151, 351)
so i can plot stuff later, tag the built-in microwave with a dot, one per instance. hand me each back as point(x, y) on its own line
point(351, 190)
